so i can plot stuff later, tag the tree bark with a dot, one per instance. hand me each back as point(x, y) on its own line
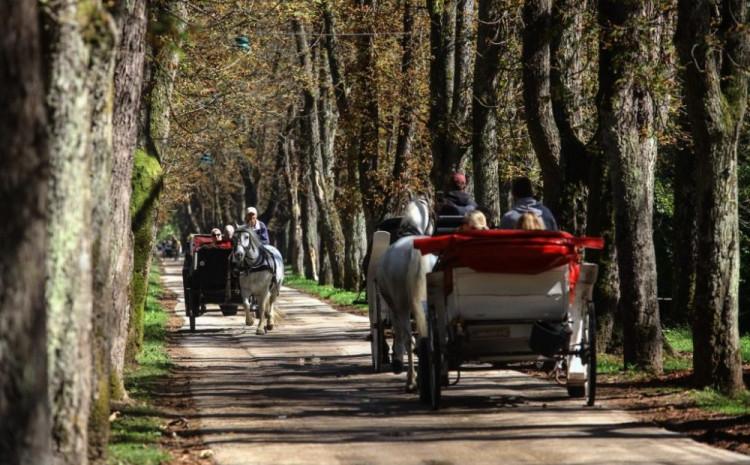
point(451, 48)
point(601, 223)
point(561, 154)
point(148, 175)
point(406, 119)
point(330, 220)
point(537, 97)
point(24, 400)
point(628, 135)
point(291, 179)
point(101, 89)
point(69, 267)
point(486, 75)
point(684, 231)
point(128, 87)
point(715, 51)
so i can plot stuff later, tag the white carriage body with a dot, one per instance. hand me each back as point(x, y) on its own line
point(493, 313)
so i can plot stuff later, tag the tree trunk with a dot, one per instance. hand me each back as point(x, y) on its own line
point(486, 74)
point(537, 97)
point(309, 227)
point(406, 119)
point(684, 231)
point(561, 154)
point(601, 223)
point(102, 88)
point(148, 175)
point(451, 48)
point(330, 221)
point(291, 179)
point(24, 401)
point(128, 86)
point(69, 273)
point(628, 134)
point(715, 51)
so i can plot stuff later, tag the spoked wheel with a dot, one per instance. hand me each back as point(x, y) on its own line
point(378, 347)
point(435, 366)
point(591, 356)
point(193, 307)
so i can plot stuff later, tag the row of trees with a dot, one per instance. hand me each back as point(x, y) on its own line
point(86, 92)
point(328, 112)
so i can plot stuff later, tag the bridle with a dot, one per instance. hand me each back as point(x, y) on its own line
point(245, 264)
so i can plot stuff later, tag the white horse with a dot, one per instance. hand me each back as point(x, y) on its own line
point(261, 273)
point(402, 283)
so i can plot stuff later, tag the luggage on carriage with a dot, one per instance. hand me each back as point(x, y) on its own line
point(207, 277)
point(509, 296)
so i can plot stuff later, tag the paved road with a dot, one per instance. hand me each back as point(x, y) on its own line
point(305, 394)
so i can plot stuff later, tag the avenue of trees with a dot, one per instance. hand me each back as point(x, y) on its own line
point(122, 118)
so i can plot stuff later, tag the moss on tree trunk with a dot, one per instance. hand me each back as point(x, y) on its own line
point(147, 183)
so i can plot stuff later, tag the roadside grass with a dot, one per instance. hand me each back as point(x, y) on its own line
point(136, 433)
point(327, 292)
point(681, 341)
point(711, 400)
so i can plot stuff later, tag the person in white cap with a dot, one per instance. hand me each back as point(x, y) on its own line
point(229, 230)
point(252, 222)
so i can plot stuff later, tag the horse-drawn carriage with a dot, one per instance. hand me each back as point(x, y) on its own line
point(207, 277)
point(489, 297)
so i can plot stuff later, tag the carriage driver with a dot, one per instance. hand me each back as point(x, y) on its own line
point(252, 222)
point(457, 201)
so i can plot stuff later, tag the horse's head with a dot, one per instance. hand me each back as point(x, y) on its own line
point(246, 246)
point(417, 218)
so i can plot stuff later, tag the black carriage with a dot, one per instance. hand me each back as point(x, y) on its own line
point(207, 277)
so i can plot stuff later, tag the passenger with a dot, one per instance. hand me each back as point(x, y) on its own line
point(474, 221)
point(457, 201)
point(229, 230)
point(530, 222)
point(524, 202)
point(216, 233)
point(252, 222)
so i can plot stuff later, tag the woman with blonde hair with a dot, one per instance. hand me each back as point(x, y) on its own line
point(530, 222)
point(474, 221)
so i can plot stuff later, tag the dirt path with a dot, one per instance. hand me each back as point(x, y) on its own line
point(305, 394)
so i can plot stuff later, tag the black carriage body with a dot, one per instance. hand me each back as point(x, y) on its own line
point(207, 279)
point(207, 271)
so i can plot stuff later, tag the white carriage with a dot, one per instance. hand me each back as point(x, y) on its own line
point(509, 296)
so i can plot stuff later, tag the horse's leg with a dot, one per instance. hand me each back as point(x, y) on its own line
point(249, 320)
point(274, 293)
point(263, 304)
point(401, 331)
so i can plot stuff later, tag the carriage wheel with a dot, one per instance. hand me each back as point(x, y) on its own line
point(423, 370)
point(435, 367)
point(588, 357)
point(377, 341)
point(591, 367)
point(192, 307)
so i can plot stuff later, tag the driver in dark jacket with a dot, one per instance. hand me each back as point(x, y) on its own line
point(457, 201)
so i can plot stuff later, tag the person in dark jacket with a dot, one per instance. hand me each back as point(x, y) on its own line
point(457, 201)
